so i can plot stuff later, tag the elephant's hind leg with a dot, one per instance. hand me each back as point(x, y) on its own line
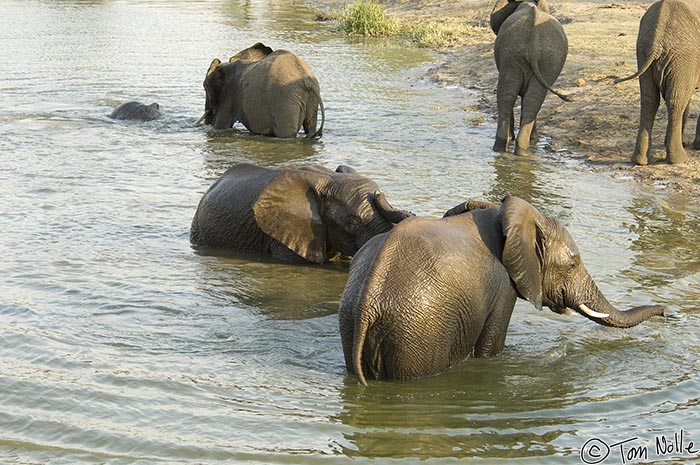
point(676, 105)
point(506, 101)
point(650, 99)
point(532, 102)
point(287, 119)
point(311, 117)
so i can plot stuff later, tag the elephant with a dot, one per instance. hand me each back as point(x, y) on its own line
point(429, 293)
point(270, 93)
point(296, 215)
point(136, 111)
point(530, 51)
point(668, 62)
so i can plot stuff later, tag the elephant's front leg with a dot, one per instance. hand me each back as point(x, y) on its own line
point(649, 105)
point(492, 339)
point(532, 102)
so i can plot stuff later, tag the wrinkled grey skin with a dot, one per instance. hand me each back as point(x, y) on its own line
point(136, 111)
point(431, 292)
point(270, 93)
point(530, 52)
point(668, 62)
point(307, 214)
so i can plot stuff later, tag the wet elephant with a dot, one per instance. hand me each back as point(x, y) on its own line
point(530, 52)
point(431, 292)
point(136, 111)
point(272, 93)
point(310, 214)
point(668, 61)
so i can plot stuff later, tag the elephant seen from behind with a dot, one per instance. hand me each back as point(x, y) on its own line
point(296, 215)
point(431, 292)
point(668, 62)
point(272, 93)
point(530, 51)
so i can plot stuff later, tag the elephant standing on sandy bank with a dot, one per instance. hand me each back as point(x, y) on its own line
point(530, 52)
point(429, 293)
point(668, 61)
point(270, 93)
point(307, 214)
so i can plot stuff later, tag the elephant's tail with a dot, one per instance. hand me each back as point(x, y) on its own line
point(642, 69)
point(538, 75)
point(317, 93)
point(358, 344)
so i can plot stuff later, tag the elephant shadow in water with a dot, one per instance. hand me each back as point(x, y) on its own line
point(455, 412)
point(223, 149)
point(276, 291)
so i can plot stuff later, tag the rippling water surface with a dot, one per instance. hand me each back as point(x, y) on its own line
point(119, 344)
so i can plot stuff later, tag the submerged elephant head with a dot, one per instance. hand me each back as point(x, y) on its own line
point(318, 213)
point(545, 265)
point(504, 8)
point(222, 86)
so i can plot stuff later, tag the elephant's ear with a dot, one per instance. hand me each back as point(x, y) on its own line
point(289, 211)
point(522, 250)
point(256, 52)
point(501, 10)
point(213, 66)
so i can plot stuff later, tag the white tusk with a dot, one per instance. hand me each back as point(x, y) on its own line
point(201, 118)
point(592, 313)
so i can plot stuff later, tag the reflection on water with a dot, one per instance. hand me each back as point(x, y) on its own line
point(278, 291)
point(122, 344)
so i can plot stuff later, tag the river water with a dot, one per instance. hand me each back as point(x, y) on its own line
point(121, 345)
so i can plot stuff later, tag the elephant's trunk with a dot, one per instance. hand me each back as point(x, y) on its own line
point(389, 212)
point(597, 308)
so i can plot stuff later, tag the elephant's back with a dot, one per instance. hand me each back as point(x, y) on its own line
point(224, 216)
point(437, 254)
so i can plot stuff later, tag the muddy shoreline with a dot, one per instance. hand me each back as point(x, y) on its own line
point(600, 125)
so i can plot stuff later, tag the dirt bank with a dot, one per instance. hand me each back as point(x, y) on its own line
point(600, 125)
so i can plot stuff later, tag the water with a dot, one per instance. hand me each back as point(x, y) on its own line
point(121, 345)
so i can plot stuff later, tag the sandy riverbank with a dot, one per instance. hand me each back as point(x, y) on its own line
point(600, 125)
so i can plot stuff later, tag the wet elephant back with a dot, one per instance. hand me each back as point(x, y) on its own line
point(224, 217)
point(277, 86)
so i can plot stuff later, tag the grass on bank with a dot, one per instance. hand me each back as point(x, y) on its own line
point(368, 18)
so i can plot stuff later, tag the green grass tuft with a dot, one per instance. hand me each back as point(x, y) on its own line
point(367, 18)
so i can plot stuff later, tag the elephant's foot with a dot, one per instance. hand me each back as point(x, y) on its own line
point(500, 145)
point(640, 159)
point(677, 156)
point(520, 150)
point(696, 144)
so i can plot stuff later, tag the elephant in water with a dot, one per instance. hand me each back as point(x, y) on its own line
point(307, 214)
point(668, 61)
point(530, 52)
point(137, 111)
point(270, 93)
point(430, 292)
